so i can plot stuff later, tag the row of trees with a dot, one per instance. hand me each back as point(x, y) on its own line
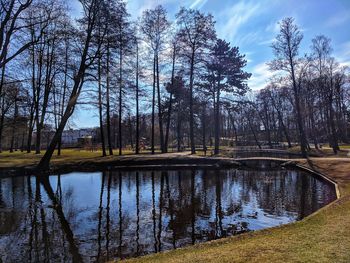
point(165, 83)
point(309, 102)
point(178, 68)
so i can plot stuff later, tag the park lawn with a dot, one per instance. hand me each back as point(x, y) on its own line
point(322, 237)
point(68, 156)
point(345, 147)
point(325, 151)
point(19, 159)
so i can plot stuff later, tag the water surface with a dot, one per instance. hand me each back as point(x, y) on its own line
point(100, 216)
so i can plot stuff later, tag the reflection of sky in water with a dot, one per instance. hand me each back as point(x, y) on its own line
point(176, 208)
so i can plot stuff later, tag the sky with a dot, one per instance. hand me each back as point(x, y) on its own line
point(252, 26)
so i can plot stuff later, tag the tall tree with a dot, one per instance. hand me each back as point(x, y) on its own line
point(46, 53)
point(124, 42)
point(154, 26)
point(286, 49)
point(226, 67)
point(87, 58)
point(175, 51)
point(137, 91)
point(326, 67)
point(196, 33)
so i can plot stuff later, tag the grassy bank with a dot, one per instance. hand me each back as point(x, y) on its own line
point(67, 157)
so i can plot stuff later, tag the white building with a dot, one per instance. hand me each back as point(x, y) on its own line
point(71, 136)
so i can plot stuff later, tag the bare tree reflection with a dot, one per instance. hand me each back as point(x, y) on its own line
point(73, 248)
point(139, 212)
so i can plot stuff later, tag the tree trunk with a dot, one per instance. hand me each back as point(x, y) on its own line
point(100, 106)
point(204, 119)
point(64, 93)
point(14, 123)
point(217, 120)
point(334, 137)
point(137, 139)
point(108, 117)
point(2, 110)
point(302, 135)
point(131, 133)
point(30, 129)
point(153, 102)
point(160, 117)
point(178, 131)
point(37, 102)
point(1, 128)
point(193, 145)
point(170, 102)
point(120, 141)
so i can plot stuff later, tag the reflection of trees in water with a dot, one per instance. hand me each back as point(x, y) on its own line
point(145, 211)
point(280, 191)
point(42, 232)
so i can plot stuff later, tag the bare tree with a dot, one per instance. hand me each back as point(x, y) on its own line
point(87, 58)
point(286, 49)
point(154, 26)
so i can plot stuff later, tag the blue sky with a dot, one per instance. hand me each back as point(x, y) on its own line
point(252, 25)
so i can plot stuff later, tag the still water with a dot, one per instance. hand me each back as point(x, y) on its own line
point(100, 216)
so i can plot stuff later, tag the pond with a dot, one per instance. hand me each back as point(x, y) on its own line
point(101, 216)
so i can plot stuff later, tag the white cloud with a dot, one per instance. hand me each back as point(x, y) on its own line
point(136, 8)
point(248, 56)
point(236, 17)
point(273, 27)
point(198, 4)
point(267, 42)
point(260, 76)
point(343, 55)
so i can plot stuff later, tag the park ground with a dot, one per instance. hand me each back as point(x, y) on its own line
point(322, 237)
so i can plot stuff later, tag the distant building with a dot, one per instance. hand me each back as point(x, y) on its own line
point(71, 137)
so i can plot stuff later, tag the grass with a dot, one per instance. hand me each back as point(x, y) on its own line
point(21, 159)
point(324, 151)
point(69, 156)
point(344, 147)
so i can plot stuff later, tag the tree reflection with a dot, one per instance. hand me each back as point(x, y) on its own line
point(73, 248)
point(99, 239)
point(138, 212)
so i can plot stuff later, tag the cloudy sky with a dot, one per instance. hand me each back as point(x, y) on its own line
point(252, 25)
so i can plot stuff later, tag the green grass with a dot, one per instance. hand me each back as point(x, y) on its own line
point(345, 147)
